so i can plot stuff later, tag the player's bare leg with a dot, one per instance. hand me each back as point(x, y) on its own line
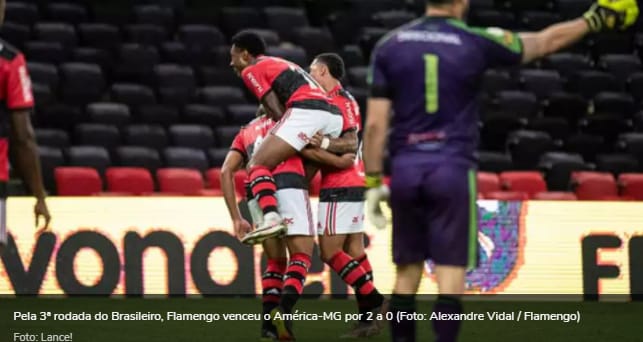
point(370, 301)
point(272, 152)
point(451, 281)
point(301, 249)
point(272, 282)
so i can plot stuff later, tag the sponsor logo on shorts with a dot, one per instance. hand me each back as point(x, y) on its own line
point(356, 219)
point(303, 137)
point(289, 221)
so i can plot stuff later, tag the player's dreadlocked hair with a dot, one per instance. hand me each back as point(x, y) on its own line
point(249, 41)
point(335, 64)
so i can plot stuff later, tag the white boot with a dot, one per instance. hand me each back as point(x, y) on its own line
point(272, 226)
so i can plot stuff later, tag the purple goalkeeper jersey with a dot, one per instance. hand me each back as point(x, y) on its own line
point(431, 69)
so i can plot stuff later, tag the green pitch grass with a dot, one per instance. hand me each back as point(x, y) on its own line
point(599, 321)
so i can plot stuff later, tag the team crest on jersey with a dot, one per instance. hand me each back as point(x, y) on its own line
point(500, 247)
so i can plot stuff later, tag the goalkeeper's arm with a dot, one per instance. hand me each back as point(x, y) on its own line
point(604, 15)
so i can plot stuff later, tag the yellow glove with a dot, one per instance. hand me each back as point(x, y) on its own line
point(607, 15)
point(376, 192)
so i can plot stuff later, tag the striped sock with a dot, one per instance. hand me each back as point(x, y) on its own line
point(361, 301)
point(355, 276)
point(272, 282)
point(263, 188)
point(295, 279)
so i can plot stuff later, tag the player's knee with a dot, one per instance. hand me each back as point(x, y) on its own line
point(355, 250)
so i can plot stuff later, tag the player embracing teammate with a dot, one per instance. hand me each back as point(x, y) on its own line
point(306, 123)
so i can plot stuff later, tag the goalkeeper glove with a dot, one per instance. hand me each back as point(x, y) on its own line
point(606, 15)
point(376, 192)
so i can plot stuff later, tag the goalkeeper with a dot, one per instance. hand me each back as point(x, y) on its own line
point(428, 73)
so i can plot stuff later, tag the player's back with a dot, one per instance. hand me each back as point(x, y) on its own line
point(431, 70)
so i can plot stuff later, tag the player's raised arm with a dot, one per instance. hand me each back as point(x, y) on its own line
point(320, 156)
point(347, 143)
point(604, 15)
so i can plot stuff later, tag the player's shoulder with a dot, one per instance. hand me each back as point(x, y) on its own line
point(8, 51)
point(345, 94)
point(388, 40)
point(495, 35)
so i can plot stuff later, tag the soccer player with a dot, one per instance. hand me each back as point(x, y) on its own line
point(341, 202)
point(17, 102)
point(428, 73)
point(302, 109)
point(293, 204)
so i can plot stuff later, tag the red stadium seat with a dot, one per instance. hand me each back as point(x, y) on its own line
point(213, 176)
point(590, 186)
point(211, 192)
point(523, 181)
point(132, 180)
point(488, 182)
point(315, 185)
point(507, 196)
point(631, 185)
point(555, 196)
point(175, 180)
point(77, 181)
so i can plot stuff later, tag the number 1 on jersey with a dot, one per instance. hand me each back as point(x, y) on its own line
point(431, 83)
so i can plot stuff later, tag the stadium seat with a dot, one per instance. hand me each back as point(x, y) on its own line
point(194, 136)
point(494, 18)
point(488, 182)
point(294, 54)
point(133, 95)
point(77, 181)
point(612, 43)
point(567, 64)
point(158, 114)
point(591, 186)
point(635, 86)
point(216, 156)
point(542, 83)
point(617, 163)
point(225, 135)
point(106, 136)
point(44, 73)
point(108, 113)
point(557, 128)
point(222, 96)
point(101, 57)
point(46, 52)
point(285, 20)
point(50, 159)
point(203, 115)
point(174, 52)
point(558, 168)
point(89, 156)
point(59, 115)
point(517, 103)
point(131, 180)
point(240, 178)
point(606, 126)
point(241, 114)
point(494, 162)
point(185, 157)
point(591, 82)
point(145, 34)
point(103, 36)
point(621, 66)
point(155, 15)
point(67, 13)
point(65, 34)
point(22, 12)
point(138, 156)
point(52, 137)
point(614, 103)
point(136, 63)
point(17, 34)
point(631, 185)
point(213, 177)
point(496, 128)
point(537, 20)
point(368, 38)
point(495, 80)
point(588, 146)
point(352, 56)
point(506, 196)
point(81, 83)
point(176, 84)
point(392, 19)
point(271, 37)
point(218, 76)
point(235, 19)
point(555, 196)
point(530, 182)
point(357, 76)
point(526, 147)
point(200, 36)
point(632, 144)
point(152, 136)
point(314, 40)
point(42, 94)
point(179, 180)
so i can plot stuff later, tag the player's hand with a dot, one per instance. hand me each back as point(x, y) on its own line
point(609, 15)
point(376, 193)
point(41, 210)
point(346, 160)
point(241, 228)
point(316, 140)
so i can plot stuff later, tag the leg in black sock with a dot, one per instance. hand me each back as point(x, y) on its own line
point(404, 330)
point(447, 330)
